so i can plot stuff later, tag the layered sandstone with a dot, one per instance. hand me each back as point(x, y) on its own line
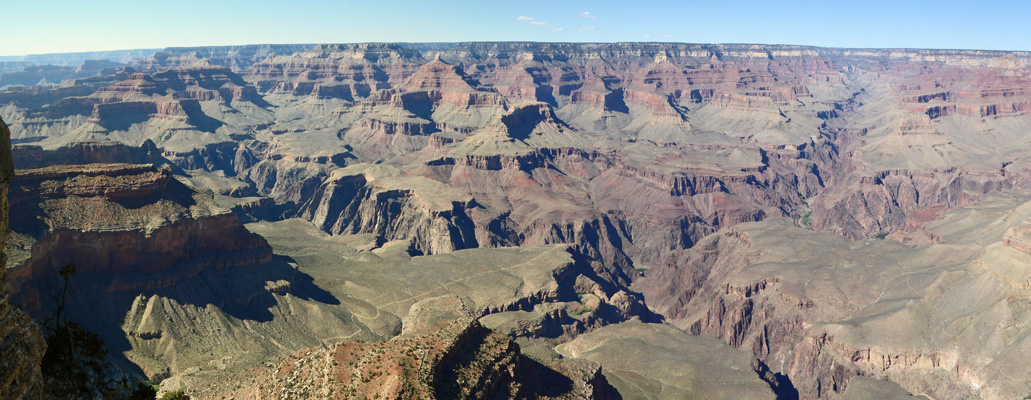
point(160, 225)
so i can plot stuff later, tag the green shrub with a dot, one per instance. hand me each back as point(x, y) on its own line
point(175, 395)
point(144, 391)
point(807, 220)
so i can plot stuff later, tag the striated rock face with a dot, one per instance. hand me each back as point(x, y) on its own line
point(881, 203)
point(21, 341)
point(179, 109)
point(415, 209)
point(90, 152)
point(152, 223)
point(153, 246)
point(235, 57)
point(362, 67)
point(762, 287)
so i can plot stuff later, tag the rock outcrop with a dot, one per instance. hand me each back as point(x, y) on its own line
point(459, 360)
point(1019, 237)
point(421, 210)
point(21, 341)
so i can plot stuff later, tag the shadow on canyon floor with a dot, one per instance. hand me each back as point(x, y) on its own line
point(242, 293)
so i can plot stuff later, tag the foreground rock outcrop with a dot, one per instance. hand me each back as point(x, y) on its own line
point(21, 341)
point(459, 360)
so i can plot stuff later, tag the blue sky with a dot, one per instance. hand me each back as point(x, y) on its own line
point(47, 26)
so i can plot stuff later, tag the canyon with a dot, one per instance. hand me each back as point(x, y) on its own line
point(621, 220)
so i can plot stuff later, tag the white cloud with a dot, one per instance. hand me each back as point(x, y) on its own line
point(586, 14)
point(586, 28)
point(535, 22)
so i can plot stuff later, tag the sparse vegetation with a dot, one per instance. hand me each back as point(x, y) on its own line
point(175, 395)
point(807, 220)
point(144, 391)
point(580, 298)
point(74, 356)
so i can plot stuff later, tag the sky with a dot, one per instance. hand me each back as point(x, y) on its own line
point(55, 26)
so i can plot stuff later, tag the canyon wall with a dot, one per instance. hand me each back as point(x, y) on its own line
point(645, 158)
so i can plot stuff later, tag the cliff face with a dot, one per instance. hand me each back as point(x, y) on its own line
point(159, 226)
point(416, 209)
point(754, 286)
point(21, 341)
point(92, 152)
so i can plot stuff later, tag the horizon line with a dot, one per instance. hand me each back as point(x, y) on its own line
point(156, 49)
